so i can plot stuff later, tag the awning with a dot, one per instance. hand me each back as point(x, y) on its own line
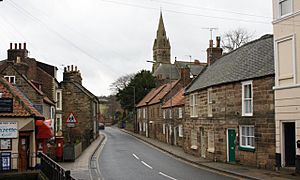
point(45, 130)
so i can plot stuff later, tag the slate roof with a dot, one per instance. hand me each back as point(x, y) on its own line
point(165, 70)
point(176, 100)
point(252, 60)
point(22, 107)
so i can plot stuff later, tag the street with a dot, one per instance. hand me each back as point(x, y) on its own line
point(125, 157)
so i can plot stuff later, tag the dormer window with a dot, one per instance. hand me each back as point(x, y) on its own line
point(11, 79)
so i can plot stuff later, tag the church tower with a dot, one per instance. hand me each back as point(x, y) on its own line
point(161, 46)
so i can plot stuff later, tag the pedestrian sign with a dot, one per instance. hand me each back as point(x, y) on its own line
point(72, 119)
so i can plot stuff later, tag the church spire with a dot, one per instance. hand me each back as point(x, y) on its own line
point(161, 46)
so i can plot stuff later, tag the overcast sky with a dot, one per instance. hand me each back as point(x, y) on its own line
point(110, 38)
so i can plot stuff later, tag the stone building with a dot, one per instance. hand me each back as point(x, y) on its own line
point(18, 145)
point(173, 111)
point(230, 107)
point(287, 82)
point(80, 102)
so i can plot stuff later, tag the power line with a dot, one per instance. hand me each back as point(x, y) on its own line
point(201, 8)
point(20, 9)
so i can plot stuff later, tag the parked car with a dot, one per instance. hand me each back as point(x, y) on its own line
point(101, 126)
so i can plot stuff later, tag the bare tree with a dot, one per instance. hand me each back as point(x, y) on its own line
point(234, 39)
point(120, 83)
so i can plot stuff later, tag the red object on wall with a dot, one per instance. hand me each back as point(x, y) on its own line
point(59, 147)
point(44, 132)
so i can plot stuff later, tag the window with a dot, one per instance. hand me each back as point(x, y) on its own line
point(58, 100)
point(58, 122)
point(144, 113)
point(52, 112)
point(285, 7)
point(247, 138)
point(209, 102)
point(139, 113)
point(247, 99)
point(5, 144)
point(180, 112)
point(170, 113)
point(141, 127)
point(194, 144)
point(211, 141)
point(11, 79)
point(193, 105)
point(180, 130)
point(164, 114)
point(164, 129)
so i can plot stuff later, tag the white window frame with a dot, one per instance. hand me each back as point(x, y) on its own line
point(180, 130)
point(164, 113)
point(279, 8)
point(144, 126)
point(246, 145)
point(59, 99)
point(193, 105)
point(170, 113)
point(180, 112)
point(58, 123)
point(209, 102)
point(141, 126)
point(144, 113)
point(164, 128)
point(246, 83)
point(11, 79)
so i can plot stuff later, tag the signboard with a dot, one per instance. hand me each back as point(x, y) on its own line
point(72, 119)
point(8, 130)
point(5, 144)
point(6, 105)
point(5, 161)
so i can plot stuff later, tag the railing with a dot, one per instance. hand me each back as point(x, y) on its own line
point(52, 170)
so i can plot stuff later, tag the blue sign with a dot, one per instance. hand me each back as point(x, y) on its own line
point(5, 160)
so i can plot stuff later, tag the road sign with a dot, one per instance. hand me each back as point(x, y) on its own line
point(72, 119)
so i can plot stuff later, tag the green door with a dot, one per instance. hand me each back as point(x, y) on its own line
point(231, 145)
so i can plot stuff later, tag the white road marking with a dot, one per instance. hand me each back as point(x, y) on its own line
point(147, 165)
point(136, 157)
point(170, 177)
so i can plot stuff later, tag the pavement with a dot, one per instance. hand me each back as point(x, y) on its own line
point(80, 168)
point(231, 169)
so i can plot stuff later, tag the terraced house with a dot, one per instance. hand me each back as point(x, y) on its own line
point(287, 82)
point(230, 107)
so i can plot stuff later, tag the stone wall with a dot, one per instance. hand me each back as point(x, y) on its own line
point(227, 113)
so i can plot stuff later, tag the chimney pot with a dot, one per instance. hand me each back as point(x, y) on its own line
point(68, 68)
point(72, 68)
point(20, 46)
point(11, 46)
point(218, 38)
point(24, 46)
point(75, 68)
point(16, 46)
point(211, 42)
point(65, 69)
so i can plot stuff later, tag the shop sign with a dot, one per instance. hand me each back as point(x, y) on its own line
point(5, 160)
point(8, 130)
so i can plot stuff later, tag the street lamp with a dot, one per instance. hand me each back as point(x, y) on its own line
point(134, 114)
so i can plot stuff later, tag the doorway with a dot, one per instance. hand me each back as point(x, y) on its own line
point(289, 143)
point(231, 139)
point(23, 148)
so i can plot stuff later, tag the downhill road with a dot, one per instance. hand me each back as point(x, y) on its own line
point(124, 157)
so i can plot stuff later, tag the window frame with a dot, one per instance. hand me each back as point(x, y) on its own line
point(193, 105)
point(209, 102)
point(59, 99)
point(244, 84)
point(247, 136)
point(279, 2)
point(180, 130)
point(164, 128)
point(8, 78)
point(180, 112)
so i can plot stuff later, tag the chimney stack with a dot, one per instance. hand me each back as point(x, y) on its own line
point(17, 53)
point(71, 73)
point(214, 53)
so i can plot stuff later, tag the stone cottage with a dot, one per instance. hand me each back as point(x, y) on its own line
point(230, 107)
